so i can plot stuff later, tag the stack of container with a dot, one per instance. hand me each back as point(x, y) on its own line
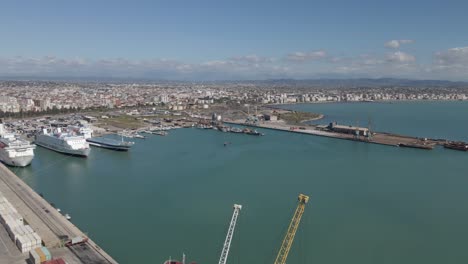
point(40, 255)
point(28, 242)
point(22, 235)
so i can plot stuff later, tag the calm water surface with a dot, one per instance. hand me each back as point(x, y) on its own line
point(448, 120)
point(369, 204)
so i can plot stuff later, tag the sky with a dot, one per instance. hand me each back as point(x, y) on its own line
point(229, 40)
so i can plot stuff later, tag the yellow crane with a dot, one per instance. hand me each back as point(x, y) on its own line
point(289, 238)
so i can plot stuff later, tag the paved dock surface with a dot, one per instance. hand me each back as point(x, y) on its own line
point(377, 138)
point(50, 225)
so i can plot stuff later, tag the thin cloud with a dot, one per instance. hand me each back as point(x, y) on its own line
point(396, 43)
point(400, 57)
point(306, 56)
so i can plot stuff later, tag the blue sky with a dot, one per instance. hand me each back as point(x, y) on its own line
point(235, 39)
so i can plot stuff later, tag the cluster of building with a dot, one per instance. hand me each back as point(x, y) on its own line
point(27, 96)
point(290, 98)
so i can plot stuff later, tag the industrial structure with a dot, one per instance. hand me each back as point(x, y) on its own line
point(230, 233)
point(289, 238)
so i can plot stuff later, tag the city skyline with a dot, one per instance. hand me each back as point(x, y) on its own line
point(212, 40)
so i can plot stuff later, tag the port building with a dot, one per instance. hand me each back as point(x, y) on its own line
point(354, 130)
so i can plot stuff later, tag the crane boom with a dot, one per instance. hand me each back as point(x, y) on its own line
point(289, 238)
point(230, 233)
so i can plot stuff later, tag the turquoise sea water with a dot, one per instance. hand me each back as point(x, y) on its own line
point(369, 203)
point(434, 119)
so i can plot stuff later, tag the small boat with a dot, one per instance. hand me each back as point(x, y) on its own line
point(160, 133)
point(67, 216)
point(58, 210)
point(225, 129)
point(139, 136)
point(252, 132)
point(236, 130)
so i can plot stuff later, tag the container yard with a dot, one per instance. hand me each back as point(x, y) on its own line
point(32, 229)
point(25, 238)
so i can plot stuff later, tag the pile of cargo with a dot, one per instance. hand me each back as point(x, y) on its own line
point(22, 235)
point(39, 255)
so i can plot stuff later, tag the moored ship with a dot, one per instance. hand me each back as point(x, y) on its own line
point(63, 141)
point(85, 131)
point(15, 151)
point(110, 143)
point(249, 131)
point(462, 146)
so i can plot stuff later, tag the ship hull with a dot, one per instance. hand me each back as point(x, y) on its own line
point(112, 147)
point(17, 161)
point(72, 152)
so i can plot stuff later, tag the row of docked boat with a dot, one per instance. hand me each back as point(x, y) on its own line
point(226, 129)
point(72, 140)
point(154, 130)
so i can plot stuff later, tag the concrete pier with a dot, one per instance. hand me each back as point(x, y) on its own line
point(50, 225)
point(376, 138)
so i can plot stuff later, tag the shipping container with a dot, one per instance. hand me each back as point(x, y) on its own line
point(37, 238)
point(34, 243)
point(41, 254)
point(77, 239)
point(23, 243)
point(60, 261)
point(52, 261)
point(15, 232)
point(29, 229)
point(34, 257)
point(46, 253)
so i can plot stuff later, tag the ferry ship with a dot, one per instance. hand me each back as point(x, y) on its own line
point(63, 141)
point(15, 151)
point(110, 143)
point(85, 131)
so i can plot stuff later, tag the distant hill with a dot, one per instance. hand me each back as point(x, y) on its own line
point(361, 82)
point(316, 83)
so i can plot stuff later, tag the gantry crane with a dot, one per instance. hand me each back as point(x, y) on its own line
point(289, 238)
point(230, 233)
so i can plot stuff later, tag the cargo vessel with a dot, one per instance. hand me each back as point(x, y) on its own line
point(109, 143)
point(63, 141)
point(15, 151)
point(462, 146)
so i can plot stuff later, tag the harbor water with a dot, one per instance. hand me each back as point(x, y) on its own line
point(368, 203)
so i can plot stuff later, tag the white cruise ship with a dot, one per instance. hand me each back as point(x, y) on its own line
point(63, 141)
point(15, 151)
